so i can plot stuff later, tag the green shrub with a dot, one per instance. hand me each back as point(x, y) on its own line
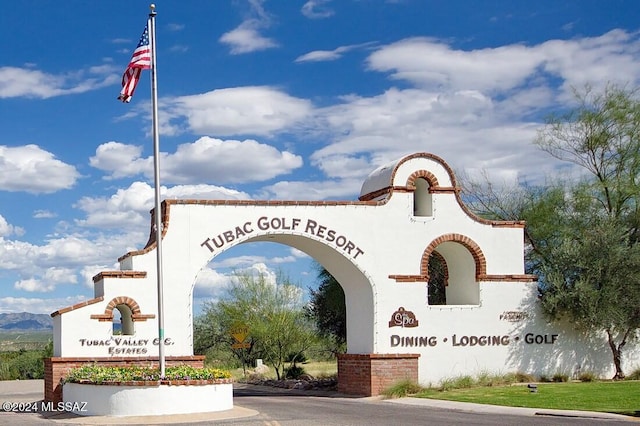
point(5, 371)
point(401, 389)
point(22, 365)
point(93, 373)
point(293, 372)
point(29, 365)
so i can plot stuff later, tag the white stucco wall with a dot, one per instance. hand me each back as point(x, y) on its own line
point(366, 246)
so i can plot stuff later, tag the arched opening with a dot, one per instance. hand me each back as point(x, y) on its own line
point(463, 263)
point(123, 320)
point(422, 200)
point(463, 289)
point(357, 287)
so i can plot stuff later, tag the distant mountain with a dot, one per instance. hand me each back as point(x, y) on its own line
point(24, 321)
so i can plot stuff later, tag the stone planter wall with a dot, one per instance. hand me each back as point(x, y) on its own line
point(149, 398)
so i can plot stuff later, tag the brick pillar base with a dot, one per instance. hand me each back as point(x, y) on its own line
point(370, 374)
point(56, 368)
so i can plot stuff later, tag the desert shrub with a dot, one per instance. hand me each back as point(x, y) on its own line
point(587, 376)
point(523, 377)
point(22, 365)
point(560, 377)
point(459, 382)
point(401, 389)
point(294, 372)
point(488, 379)
point(635, 375)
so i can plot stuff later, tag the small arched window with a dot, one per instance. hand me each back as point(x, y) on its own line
point(422, 203)
point(125, 327)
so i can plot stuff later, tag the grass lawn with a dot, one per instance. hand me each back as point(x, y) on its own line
point(611, 397)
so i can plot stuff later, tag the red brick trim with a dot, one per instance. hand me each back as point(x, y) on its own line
point(389, 190)
point(119, 274)
point(474, 249)
point(510, 277)
point(410, 278)
point(194, 382)
point(431, 179)
point(77, 306)
point(122, 300)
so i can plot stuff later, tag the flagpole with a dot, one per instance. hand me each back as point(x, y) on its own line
point(156, 178)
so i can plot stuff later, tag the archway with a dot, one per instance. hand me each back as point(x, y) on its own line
point(378, 248)
point(358, 287)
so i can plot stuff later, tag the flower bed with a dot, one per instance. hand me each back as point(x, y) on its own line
point(97, 374)
point(140, 391)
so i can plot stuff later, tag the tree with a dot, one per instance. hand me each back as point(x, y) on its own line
point(327, 308)
point(272, 313)
point(582, 235)
point(602, 136)
point(593, 281)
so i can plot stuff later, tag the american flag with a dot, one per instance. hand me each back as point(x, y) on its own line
point(140, 60)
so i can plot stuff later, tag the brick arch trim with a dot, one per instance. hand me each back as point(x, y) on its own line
point(468, 243)
point(136, 314)
point(424, 174)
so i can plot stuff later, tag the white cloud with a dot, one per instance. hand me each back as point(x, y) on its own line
point(121, 160)
point(246, 37)
point(29, 168)
point(43, 214)
point(48, 281)
point(250, 110)
point(6, 229)
point(315, 190)
point(87, 272)
point(210, 283)
point(316, 9)
point(330, 55)
point(128, 208)
point(433, 64)
point(478, 108)
point(25, 82)
point(37, 305)
point(205, 160)
point(214, 160)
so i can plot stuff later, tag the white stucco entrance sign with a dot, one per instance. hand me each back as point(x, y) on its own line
point(379, 248)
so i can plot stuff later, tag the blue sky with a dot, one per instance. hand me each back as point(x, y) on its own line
point(267, 99)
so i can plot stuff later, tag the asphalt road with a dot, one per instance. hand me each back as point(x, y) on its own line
point(260, 405)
